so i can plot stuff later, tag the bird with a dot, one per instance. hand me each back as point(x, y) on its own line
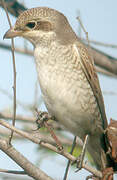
point(67, 76)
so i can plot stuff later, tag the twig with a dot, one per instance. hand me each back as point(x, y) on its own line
point(14, 73)
point(79, 26)
point(49, 146)
point(112, 93)
point(17, 49)
point(68, 164)
point(105, 72)
point(83, 29)
point(13, 172)
point(18, 117)
point(100, 43)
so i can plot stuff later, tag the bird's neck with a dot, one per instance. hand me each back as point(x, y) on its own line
point(51, 53)
point(44, 40)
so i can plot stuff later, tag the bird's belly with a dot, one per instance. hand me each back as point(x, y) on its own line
point(69, 102)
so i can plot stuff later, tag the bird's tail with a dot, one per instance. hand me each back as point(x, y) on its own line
point(97, 149)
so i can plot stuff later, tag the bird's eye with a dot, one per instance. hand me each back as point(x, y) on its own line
point(30, 25)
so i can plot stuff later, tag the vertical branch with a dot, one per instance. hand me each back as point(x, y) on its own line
point(87, 38)
point(79, 25)
point(14, 74)
point(83, 29)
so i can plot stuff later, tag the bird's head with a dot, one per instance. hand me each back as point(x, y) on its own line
point(40, 25)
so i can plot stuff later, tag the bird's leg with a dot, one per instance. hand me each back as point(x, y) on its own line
point(58, 143)
point(42, 118)
point(80, 159)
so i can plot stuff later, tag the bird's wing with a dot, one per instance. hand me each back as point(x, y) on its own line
point(87, 65)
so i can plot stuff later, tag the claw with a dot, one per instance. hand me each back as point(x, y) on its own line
point(42, 118)
point(107, 175)
point(91, 177)
point(79, 163)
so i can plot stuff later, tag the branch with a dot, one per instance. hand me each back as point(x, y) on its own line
point(14, 177)
point(12, 172)
point(28, 167)
point(105, 72)
point(44, 136)
point(18, 117)
point(104, 61)
point(14, 72)
point(49, 146)
point(14, 7)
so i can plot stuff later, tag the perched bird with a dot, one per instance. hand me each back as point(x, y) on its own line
point(67, 76)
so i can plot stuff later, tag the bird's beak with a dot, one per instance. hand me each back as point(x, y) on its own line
point(11, 33)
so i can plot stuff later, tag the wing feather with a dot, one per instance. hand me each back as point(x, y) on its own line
point(91, 75)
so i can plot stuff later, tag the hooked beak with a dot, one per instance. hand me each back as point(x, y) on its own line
point(11, 33)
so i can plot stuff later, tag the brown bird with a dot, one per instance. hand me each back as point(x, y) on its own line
point(67, 76)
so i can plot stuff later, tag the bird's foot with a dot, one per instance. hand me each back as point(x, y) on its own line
point(107, 174)
point(79, 163)
point(111, 140)
point(80, 159)
point(42, 118)
point(92, 177)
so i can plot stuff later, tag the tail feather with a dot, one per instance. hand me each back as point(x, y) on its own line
point(96, 147)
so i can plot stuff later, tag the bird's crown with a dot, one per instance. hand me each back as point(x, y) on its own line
point(39, 13)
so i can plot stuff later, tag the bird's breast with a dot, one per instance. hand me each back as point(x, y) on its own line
point(66, 91)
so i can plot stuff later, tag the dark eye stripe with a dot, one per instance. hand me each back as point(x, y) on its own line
point(44, 25)
point(30, 25)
